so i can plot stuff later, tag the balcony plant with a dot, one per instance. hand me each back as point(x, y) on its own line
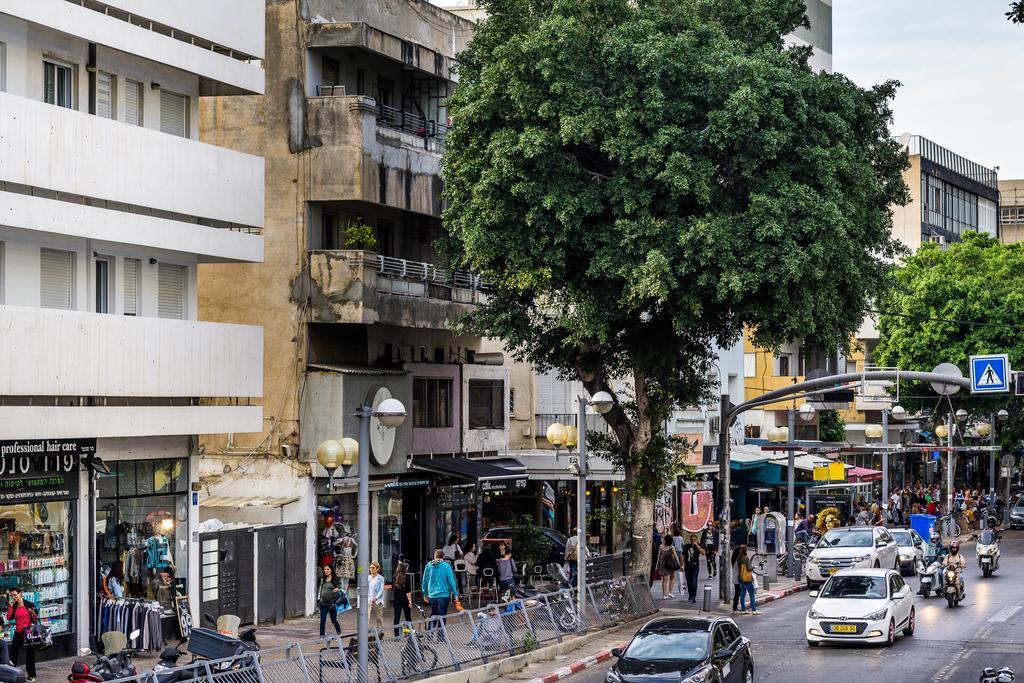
point(358, 235)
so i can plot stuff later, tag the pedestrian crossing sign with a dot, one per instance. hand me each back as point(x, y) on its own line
point(990, 374)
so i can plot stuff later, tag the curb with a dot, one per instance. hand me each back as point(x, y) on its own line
point(576, 667)
point(772, 596)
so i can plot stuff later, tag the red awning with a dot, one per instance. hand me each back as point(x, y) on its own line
point(863, 474)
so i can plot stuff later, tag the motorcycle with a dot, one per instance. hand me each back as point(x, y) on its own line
point(990, 675)
point(167, 670)
point(987, 551)
point(109, 667)
point(954, 587)
point(930, 573)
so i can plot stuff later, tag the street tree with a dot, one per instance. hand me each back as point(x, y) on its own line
point(949, 305)
point(1016, 12)
point(638, 180)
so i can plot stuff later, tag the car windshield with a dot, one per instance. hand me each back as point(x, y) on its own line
point(902, 537)
point(662, 645)
point(846, 539)
point(858, 587)
point(987, 537)
point(1019, 505)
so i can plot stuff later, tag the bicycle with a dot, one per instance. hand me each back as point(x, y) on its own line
point(418, 655)
point(948, 527)
point(759, 561)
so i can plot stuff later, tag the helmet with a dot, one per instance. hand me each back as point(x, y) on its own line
point(934, 538)
point(954, 547)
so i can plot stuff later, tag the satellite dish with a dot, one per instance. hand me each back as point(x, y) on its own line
point(950, 370)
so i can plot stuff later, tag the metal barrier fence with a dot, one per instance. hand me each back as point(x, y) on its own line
point(421, 647)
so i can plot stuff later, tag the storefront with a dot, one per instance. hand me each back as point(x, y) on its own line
point(39, 488)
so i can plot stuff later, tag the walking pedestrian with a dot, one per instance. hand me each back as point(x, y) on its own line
point(734, 563)
point(438, 586)
point(23, 613)
point(655, 548)
point(896, 507)
point(691, 565)
point(668, 565)
point(506, 567)
point(376, 590)
point(753, 522)
point(328, 590)
point(401, 595)
point(678, 543)
point(572, 545)
point(746, 574)
point(710, 539)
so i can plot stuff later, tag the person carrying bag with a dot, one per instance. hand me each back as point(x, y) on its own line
point(24, 616)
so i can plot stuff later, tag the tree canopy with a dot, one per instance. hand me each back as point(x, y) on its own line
point(1016, 12)
point(639, 180)
point(949, 305)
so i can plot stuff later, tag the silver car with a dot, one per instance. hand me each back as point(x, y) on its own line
point(911, 549)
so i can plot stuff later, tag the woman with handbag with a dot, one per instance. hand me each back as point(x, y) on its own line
point(326, 600)
point(23, 614)
point(401, 598)
point(746, 574)
point(668, 565)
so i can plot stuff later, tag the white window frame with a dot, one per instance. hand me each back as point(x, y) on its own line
point(186, 107)
point(113, 95)
point(138, 86)
point(59, 64)
point(749, 364)
point(71, 294)
point(184, 290)
point(110, 287)
point(138, 287)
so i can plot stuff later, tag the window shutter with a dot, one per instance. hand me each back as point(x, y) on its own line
point(104, 95)
point(55, 279)
point(173, 110)
point(171, 291)
point(131, 286)
point(133, 102)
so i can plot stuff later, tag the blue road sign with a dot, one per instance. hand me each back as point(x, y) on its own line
point(990, 374)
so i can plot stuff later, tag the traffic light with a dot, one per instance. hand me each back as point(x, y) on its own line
point(1018, 383)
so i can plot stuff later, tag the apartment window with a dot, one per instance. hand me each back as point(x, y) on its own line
point(750, 365)
point(988, 221)
point(133, 94)
point(102, 283)
point(174, 114)
point(783, 365)
point(385, 92)
point(486, 404)
point(57, 84)
point(511, 401)
point(171, 291)
point(56, 277)
point(131, 286)
point(1011, 215)
point(106, 95)
point(330, 71)
point(431, 402)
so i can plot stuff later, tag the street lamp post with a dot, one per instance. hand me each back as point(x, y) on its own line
point(339, 454)
point(602, 402)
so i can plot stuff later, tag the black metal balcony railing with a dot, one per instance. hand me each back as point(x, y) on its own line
point(414, 124)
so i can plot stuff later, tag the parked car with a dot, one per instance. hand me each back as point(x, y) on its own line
point(910, 547)
point(861, 605)
point(685, 649)
point(846, 547)
point(557, 538)
point(1017, 514)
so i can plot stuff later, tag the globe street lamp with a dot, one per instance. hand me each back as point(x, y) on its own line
point(601, 402)
point(557, 435)
point(340, 454)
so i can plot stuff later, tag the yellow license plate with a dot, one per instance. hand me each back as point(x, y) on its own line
point(843, 628)
point(832, 571)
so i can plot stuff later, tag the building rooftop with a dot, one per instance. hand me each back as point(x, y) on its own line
point(917, 145)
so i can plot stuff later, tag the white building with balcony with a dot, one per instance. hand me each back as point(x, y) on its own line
point(108, 203)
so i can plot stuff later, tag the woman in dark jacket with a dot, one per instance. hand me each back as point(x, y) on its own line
point(325, 599)
point(401, 595)
point(23, 614)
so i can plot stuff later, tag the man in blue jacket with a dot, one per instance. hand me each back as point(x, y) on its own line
point(438, 585)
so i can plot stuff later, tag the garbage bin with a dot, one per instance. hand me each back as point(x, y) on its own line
point(923, 524)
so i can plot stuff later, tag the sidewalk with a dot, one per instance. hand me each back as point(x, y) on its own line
point(781, 588)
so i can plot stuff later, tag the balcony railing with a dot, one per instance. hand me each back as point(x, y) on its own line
point(432, 132)
point(595, 423)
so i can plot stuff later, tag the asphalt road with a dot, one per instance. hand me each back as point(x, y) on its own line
point(949, 644)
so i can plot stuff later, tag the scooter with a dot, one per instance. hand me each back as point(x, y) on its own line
point(930, 573)
point(112, 667)
point(8, 672)
point(168, 670)
point(954, 587)
point(987, 551)
point(990, 675)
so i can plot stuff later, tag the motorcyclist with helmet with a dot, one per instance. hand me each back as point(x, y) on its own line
point(956, 561)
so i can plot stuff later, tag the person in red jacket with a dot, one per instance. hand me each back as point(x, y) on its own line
point(23, 614)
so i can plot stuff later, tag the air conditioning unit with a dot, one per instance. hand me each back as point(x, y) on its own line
point(937, 239)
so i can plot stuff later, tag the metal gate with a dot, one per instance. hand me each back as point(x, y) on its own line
point(281, 579)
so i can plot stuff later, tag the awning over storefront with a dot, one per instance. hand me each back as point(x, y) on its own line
point(243, 502)
point(863, 474)
point(501, 474)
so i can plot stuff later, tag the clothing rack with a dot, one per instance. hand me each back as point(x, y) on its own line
point(128, 614)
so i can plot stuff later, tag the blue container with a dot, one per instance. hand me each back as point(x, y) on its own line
point(923, 524)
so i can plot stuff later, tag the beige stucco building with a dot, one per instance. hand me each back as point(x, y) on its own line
point(1011, 211)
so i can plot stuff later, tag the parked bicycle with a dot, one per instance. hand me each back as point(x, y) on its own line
point(948, 527)
point(759, 562)
point(418, 655)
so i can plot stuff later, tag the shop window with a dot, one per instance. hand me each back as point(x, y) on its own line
point(431, 403)
point(142, 522)
point(486, 404)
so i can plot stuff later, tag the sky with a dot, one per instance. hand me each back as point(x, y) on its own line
point(961, 64)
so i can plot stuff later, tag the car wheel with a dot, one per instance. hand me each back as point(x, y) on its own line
point(891, 640)
point(748, 677)
point(911, 623)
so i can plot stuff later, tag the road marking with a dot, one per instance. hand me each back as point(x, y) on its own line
point(1005, 613)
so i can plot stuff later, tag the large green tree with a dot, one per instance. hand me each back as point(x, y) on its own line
point(951, 304)
point(640, 179)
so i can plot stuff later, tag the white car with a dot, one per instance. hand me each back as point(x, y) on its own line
point(911, 549)
point(861, 605)
point(846, 547)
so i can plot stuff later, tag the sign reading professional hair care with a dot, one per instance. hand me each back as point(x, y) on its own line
point(37, 470)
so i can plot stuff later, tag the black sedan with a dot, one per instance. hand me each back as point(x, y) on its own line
point(685, 649)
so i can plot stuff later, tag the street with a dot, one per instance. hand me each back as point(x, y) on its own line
point(949, 644)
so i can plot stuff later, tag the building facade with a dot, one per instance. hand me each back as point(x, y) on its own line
point(1011, 211)
point(107, 372)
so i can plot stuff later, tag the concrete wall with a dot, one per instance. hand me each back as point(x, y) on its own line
point(416, 21)
point(481, 440)
point(906, 220)
point(1011, 194)
point(235, 24)
point(436, 440)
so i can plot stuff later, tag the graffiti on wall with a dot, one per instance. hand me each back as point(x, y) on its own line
point(663, 510)
point(695, 510)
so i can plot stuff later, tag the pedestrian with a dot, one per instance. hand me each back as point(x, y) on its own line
point(401, 596)
point(753, 523)
point(376, 591)
point(896, 506)
point(656, 546)
point(485, 561)
point(691, 565)
point(506, 567)
point(746, 574)
point(678, 543)
point(572, 545)
point(113, 582)
point(668, 565)
point(453, 552)
point(328, 590)
point(805, 529)
point(710, 540)
point(438, 586)
point(23, 614)
point(471, 568)
point(734, 563)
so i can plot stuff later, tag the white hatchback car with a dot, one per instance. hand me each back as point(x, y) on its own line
point(911, 549)
point(861, 605)
point(854, 546)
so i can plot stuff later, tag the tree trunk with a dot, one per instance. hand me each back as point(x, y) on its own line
point(641, 533)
